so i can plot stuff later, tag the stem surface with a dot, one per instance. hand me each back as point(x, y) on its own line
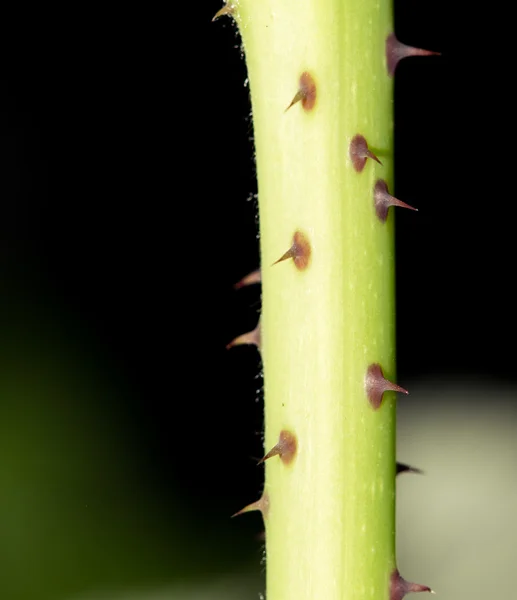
point(330, 527)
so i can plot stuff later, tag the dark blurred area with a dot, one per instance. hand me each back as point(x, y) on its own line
point(127, 183)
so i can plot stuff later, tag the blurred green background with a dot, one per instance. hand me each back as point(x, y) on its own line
point(127, 433)
point(80, 509)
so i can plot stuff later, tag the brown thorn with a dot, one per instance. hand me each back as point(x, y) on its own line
point(403, 468)
point(399, 587)
point(227, 9)
point(383, 200)
point(262, 505)
point(300, 252)
point(275, 451)
point(359, 152)
point(291, 253)
point(248, 338)
point(285, 448)
point(370, 154)
point(249, 279)
point(306, 92)
point(297, 97)
point(396, 51)
point(376, 384)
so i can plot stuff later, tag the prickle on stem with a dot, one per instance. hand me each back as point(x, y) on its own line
point(403, 468)
point(306, 93)
point(376, 384)
point(249, 338)
point(262, 505)
point(285, 448)
point(359, 152)
point(249, 279)
point(300, 252)
point(227, 9)
point(383, 200)
point(399, 587)
point(396, 51)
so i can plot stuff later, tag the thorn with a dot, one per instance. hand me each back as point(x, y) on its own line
point(383, 200)
point(227, 9)
point(291, 253)
point(376, 384)
point(396, 51)
point(359, 152)
point(300, 252)
point(249, 279)
point(399, 587)
point(285, 448)
point(402, 468)
point(306, 92)
point(262, 505)
point(297, 97)
point(249, 338)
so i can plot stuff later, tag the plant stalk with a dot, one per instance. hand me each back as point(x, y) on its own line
point(330, 525)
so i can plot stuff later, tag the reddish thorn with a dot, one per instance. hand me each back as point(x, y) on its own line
point(376, 384)
point(359, 152)
point(285, 448)
point(383, 200)
point(306, 92)
point(300, 252)
point(249, 279)
point(396, 51)
point(262, 505)
point(402, 468)
point(399, 587)
point(251, 338)
point(227, 9)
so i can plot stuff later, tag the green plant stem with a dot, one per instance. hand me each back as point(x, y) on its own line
point(330, 528)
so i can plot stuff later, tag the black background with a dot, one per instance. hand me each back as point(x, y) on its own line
point(127, 213)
